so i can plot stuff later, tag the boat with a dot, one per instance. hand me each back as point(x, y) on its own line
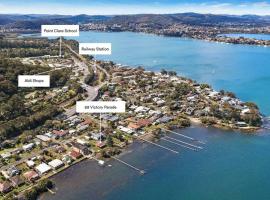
point(101, 162)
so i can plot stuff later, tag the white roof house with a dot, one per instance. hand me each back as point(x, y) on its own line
point(56, 163)
point(43, 138)
point(30, 163)
point(28, 147)
point(125, 129)
point(43, 168)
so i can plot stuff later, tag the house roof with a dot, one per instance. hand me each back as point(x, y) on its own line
point(87, 121)
point(30, 175)
point(75, 154)
point(30, 163)
point(59, 133)
point(43, 168)
point(144, 122)
point(134, 126)
point(101, 144)
point(56, 163)
point(16, 180)
point(5, 186)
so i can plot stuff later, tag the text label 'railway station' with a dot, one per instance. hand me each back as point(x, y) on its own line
point(95, 48)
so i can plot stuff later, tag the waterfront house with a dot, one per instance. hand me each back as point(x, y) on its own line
point(5, 187)
point(83, 149)
point(67, 159)
point(241, 124)
point(75, 155)
point(245, 111)
point(43, 168)
point(56, 164)
point(31, 175)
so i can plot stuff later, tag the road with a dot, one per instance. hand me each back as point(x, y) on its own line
point(92, 92)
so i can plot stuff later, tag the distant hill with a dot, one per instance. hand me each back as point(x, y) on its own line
point(34, 21)
point(190, 18)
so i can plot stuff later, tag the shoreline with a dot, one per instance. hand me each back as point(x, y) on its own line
point(194, 120)
point(219, 38)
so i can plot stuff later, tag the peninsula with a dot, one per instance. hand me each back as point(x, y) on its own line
point(41, 134)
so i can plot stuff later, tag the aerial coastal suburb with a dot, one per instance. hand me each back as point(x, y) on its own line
point(116, 100)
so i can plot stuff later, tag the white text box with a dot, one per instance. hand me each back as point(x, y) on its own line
point(59, 30)
point(100, 106)
point(95, 48)
point(33, 81)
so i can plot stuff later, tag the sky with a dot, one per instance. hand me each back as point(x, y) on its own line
point(112, 7)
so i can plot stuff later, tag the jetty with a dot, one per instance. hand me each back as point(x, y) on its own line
point(129, 165)
point(158, 145)
point(187, 137)
point(184, 146)
point(186, 143)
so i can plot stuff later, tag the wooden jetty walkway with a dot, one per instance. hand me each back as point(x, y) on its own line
point(184, 146)
point(187, 137)
point(186, 143)
point(129, 165)
point(158, 145)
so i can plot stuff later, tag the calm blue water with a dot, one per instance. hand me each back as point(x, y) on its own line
point(255, 36)
point(233, 166)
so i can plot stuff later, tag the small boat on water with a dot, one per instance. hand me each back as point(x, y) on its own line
point(101, 162)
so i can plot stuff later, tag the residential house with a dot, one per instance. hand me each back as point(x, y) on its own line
point(28, 147)
point(75, 155)
point(96, 136)
point(30, 163)
point(67, 159)
point(43, 168)
point(60, 133)
point(56, 164)
point(12, 171)
point(5, 187)
point(83, 149)
point(31, 175)
point(16, 181)
point(134, 126)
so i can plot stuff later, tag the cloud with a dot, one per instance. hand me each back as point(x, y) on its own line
point(221, 5)
point(261, 4)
